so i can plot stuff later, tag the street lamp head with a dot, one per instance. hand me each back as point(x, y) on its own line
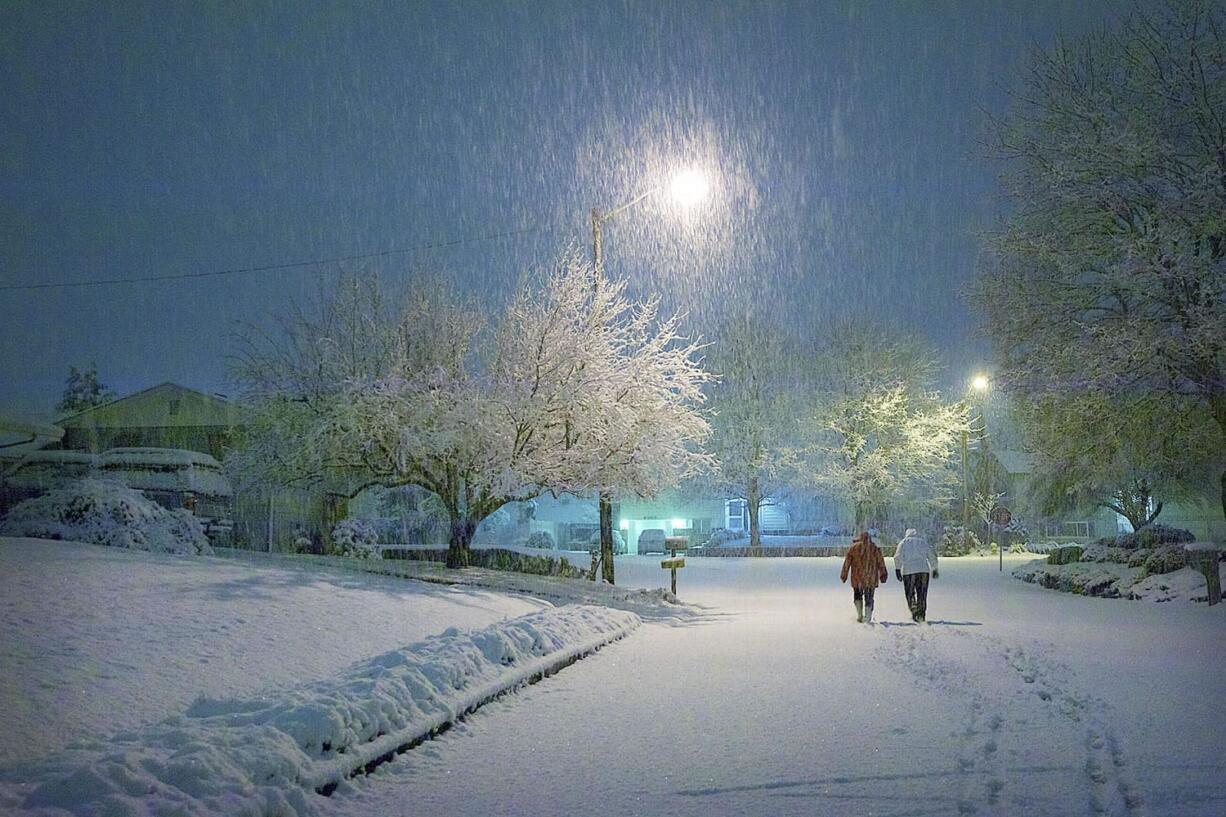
point(980, 383)
point(689, 187)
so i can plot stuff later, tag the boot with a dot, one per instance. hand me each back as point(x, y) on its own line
point(859, 609)
point(868, 614)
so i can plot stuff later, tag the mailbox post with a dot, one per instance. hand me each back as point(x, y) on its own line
point(673, 562)
point(1205, 560)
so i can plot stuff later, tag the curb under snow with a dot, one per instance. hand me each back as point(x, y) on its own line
point(269, 756)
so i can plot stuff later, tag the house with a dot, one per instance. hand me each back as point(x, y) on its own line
point(164, 416)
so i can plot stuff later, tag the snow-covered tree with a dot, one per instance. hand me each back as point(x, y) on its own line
point(82, 390)
point(576, 390)
point(1128, 453)
point(1110, 275)
point(755, 412)
point(882, 435)
point(608, 391)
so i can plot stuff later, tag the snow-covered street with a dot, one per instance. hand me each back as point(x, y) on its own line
point(1013, 700)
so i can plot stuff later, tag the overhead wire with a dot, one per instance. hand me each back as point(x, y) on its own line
point(273, 267)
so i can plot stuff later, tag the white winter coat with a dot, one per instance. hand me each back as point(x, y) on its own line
point(915, 555)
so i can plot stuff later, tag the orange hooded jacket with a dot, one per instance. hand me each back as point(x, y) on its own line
point(865, 564)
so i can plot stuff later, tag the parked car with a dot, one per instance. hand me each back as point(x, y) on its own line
point(177, 478)
point(651, 540)
point(37, 472)
point(619, 542)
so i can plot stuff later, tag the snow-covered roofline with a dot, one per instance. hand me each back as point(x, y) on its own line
point(156, 456)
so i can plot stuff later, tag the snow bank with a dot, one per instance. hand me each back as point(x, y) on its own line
point(1185, 584)
point(106, 512)
point(271, 755)
point(1115, 580)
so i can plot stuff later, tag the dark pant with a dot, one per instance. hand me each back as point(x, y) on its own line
point(916, 587)
point(865, 593)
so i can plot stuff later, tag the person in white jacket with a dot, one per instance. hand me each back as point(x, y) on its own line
point(914, 559)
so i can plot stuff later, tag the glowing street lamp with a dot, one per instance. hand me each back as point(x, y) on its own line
point(980, 383)
point(687, 188)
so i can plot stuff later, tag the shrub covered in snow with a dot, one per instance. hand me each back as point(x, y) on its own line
point(106, 512)
point(1150, 536)
point(722, 536)
point(1099, 552)
point(1042, 547)
point(542, 539)
point(356, 538)
point(1164, 560)
point(1065, 555)
point(951, 543)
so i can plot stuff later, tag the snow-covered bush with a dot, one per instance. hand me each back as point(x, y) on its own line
point(1042, 547)
point(106, 512)
point(541, 539)
point(1099, 552)
point(1065, 555)
point(722, 536)
point(356, 538)
point(1151, 536)
point(951, 543)
point(1164, 560)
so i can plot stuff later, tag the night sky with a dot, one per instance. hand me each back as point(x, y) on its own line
point(156, 139)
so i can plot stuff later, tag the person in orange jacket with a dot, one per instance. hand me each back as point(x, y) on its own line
point(866, 566)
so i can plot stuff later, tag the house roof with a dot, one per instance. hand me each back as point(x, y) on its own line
point(167, 405)
point(1015, 462)
point(18, 435)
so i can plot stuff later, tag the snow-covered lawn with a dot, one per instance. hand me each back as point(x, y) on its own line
point(95, 640)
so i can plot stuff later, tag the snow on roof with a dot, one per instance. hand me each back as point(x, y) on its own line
point(49, 469)
point(15, 425)
point(167, 469)
point(61, 457)
point(115, 457)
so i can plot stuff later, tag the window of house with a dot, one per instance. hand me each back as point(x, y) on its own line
point(735, 513)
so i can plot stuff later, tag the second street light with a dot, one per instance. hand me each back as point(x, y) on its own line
point(686, 188)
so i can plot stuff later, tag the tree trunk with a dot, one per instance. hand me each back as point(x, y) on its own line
point(462, 530)
point(606, 537)
point(1133, 504)
point(1217, 404)
point(753, 498)
point(861, 515)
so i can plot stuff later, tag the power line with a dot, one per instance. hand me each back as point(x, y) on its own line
point(272, 267)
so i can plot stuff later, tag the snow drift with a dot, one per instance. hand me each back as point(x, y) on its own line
point(267, 756)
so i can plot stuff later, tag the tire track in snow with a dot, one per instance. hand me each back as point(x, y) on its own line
point(960, 664)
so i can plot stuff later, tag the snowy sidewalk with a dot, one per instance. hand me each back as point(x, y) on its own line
point(275, 754)
point(1014, 700)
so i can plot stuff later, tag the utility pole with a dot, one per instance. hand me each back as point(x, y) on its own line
point(605, 500)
